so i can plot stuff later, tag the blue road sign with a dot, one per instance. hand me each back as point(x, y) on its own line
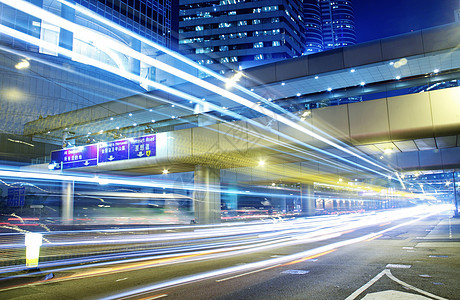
point(142, 146)
point(113, 151)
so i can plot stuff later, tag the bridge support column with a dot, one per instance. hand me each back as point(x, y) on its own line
point(206, 196)
point(308, 200)
point(67, 202)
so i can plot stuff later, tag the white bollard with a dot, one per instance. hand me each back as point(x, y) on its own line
point(33, 242)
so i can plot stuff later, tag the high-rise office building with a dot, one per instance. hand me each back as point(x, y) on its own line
point(230, 34)
point(338, 23)
point(313, 26)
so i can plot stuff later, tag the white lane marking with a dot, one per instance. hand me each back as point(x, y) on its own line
point(296, 272)
point(247, 273)
point(425, 275)
point(121, 279)
point(387, 272)
point(159, 296)
point(413, 287)
point(366, 286)
point(391, 294)
point(408, 248)
point(396, 266)
point(450, 229)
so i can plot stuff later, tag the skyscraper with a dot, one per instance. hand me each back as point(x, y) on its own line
point(232, 34)
point(313, 26)
point(338, 23)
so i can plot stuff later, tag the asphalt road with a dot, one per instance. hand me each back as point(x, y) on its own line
point(420, 259)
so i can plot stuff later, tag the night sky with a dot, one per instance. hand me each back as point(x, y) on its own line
point(377, 19)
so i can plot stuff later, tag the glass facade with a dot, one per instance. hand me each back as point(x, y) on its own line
point(227, 35)
point(76, 49)
point(151, 19)
point(313, 26)
point(338, 23)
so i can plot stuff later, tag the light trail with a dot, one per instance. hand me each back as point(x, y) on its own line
point(260, 264)
point(286, 237)
point(40, 13)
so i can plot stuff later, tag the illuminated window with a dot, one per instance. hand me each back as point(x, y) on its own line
point(255, 21)
point(258, 45)
point(223, 48)
point(203, 50)
point(276, 43)
point(224, 25)
point(259, 57)
point(270, 8)
point(224, 60)
point(199, 28)
point(242, 23)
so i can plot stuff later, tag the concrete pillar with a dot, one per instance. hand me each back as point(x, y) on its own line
point(206, 196)
point(67, 202)
point(308, 200)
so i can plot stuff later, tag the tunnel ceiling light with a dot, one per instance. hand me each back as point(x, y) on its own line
point(298, 94)
point(362, 83)
point(388, 150)
point(329, 89)
point(23, 64)
point(130, 114)
point(283, 83)
point(165, 171)
point(352, 70)
point(398, 77)
point(316, 77)
point(436, 71)
point(261, 163)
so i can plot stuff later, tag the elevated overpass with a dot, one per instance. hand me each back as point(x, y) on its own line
point(414, 126)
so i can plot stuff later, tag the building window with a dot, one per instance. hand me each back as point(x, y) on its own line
point(233, 59)
point(276, 43)
point(270, 8)
point(258, 45)
point(224, 60)
point(224, 25)
point(259, 57)
point(203, 50)
point(255, 21)
point(242, 23)
point(223, 48)
point(199, 28)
